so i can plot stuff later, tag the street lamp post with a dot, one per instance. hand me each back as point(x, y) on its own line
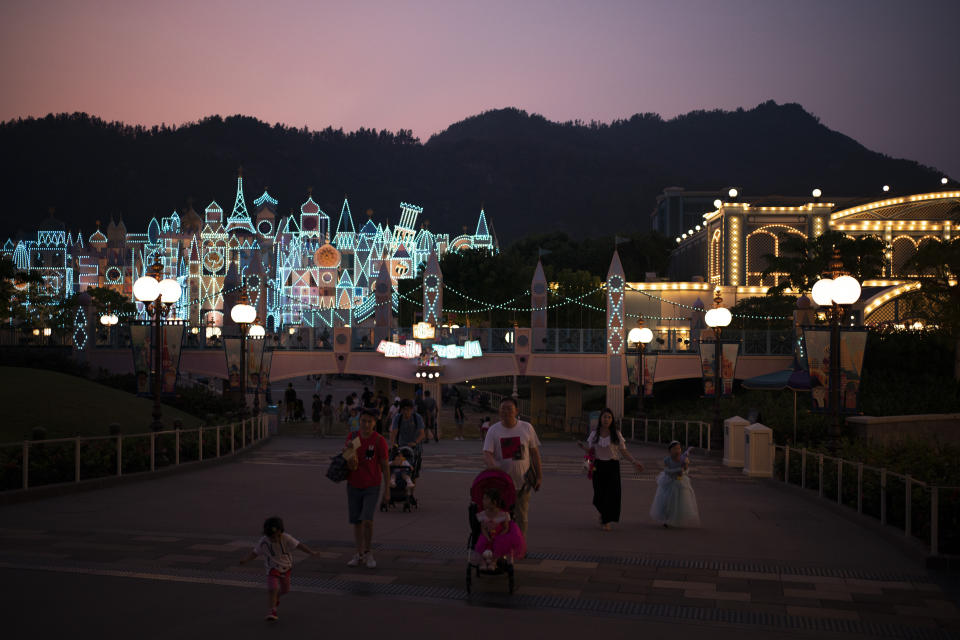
point(640, 336)
point(256, 332)
point(109, 319)
point(836, 291)
point(717, 318)
point(244, 315)
point(157, 296)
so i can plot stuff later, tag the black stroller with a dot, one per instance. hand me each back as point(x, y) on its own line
point(399, 492)
point(502, 561)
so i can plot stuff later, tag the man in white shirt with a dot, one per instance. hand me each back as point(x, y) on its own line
point(512, 446)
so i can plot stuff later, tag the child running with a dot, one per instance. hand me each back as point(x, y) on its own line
point(276, 547)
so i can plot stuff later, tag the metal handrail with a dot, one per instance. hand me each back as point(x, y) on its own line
point(884, 474)
point(251, 430)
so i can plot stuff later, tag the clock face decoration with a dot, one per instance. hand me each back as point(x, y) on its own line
point(113, 275)
point(431, 281)
point(213, 261)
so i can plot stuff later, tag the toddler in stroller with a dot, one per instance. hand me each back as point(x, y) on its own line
point(403, 469)
point(495, 541)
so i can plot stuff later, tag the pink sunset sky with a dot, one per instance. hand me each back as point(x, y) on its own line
point(883, 72)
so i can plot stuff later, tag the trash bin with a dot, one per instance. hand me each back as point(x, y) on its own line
point(733, 441)
point(758, 451)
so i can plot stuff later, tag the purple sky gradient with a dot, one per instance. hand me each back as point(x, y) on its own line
point(883, 72)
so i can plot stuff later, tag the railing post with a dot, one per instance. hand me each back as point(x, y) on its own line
point(218, 441)
point(839, 480)
point(26, 464)
point(243, 433)
point(786, 464)
point(859, 487)
point(686, 433)
point(907, 514)
point(646, 423)
point(232, 435)
point(659, 426)
point(820, 463)
point(934, 520)
point(153, 451)
point(176, 444)
point(709, 436)
point(803, 468)
point(119, 454)
point(76, 459)
point(883, 496)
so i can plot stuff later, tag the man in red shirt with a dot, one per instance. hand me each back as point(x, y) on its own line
point(368, 473)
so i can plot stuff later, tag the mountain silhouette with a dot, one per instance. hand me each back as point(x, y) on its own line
point(529, 173)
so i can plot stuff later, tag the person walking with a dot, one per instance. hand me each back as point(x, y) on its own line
point(407, 430)
point(290, 399)
point(458, 417)
point(430, 416)
point(607, 446)
point(326, 416)
point(366, 482)
point(512, 446)
point(315, 409)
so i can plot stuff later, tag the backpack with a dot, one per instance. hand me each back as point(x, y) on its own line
point(338, 470)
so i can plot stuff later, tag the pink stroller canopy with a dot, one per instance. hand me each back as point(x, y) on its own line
point(493, 479)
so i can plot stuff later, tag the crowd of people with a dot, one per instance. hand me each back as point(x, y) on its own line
point(511, 448)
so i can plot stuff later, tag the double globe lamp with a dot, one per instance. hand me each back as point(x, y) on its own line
point(157, 296)
point(717, 318)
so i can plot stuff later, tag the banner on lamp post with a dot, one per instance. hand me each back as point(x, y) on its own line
point(170, 354)
point(231, 348)
point(853, 342)
point(728, 365)
point(649, 369)
point(254, 364)
point(141, 343)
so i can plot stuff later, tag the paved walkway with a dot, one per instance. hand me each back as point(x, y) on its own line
point(766, 559)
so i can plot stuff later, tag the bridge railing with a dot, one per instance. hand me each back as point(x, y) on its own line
point(916, 507)
point(33, 463)
point(688, 432)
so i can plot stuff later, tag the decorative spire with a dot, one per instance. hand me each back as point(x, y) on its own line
point(239, 219)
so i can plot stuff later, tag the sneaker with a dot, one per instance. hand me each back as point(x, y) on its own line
point(272, 615)
point(370, 562)
point(355, 560)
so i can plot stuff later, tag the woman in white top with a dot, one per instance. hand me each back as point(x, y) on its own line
point(608, 446)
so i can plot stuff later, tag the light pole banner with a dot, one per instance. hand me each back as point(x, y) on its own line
point(649, 369)
point(265, 363)
point(728, 365)
point(141, 343)
point(817, 345)
point(172, 344)
point(853, 343)
point(254, 364)
point(231, 347)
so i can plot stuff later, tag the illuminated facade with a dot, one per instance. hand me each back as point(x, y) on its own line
point(298, 269)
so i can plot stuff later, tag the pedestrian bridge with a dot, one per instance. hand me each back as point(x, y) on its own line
point(576, 355)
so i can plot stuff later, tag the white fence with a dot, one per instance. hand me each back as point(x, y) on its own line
point(106, 456)
point(895, 499)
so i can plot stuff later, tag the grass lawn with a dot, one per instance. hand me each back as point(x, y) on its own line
point(67, 406)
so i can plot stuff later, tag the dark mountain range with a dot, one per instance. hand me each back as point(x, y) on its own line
point(529, 173)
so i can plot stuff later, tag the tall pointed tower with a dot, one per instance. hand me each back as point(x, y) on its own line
point(538, 306)
point(616, 336)
point(433, 291)
point(239, 220)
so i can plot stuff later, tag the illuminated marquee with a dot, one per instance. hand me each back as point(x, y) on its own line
point(469, 349)
point(394, 350)
point(424, 331)
point(412, 349)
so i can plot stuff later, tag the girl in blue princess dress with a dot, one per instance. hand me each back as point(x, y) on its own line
point(675, 504)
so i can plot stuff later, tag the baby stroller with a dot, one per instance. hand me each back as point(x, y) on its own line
point(398, 490)
point(476, 565)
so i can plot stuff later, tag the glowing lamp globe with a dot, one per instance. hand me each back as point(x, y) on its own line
point(256, 331)
point(105, 320)
point(822, 292)
point(846, 290)
point(817, 193)
point(646, 336)
point(719, 317)
point(733, 193)
point(944, 181)
point(634, 335)
point(146, 289)
point(886, 187)
point(47, 331)
point(717, 203)
point(169, 290)
point(508, 337)
point(243, 313)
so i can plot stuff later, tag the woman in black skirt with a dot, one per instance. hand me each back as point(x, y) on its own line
point(608, 446)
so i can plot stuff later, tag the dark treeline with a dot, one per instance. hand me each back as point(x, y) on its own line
point(532, 175)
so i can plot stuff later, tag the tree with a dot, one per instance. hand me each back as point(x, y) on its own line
point(804, 261)
point(14, 291)
point(937, 302)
